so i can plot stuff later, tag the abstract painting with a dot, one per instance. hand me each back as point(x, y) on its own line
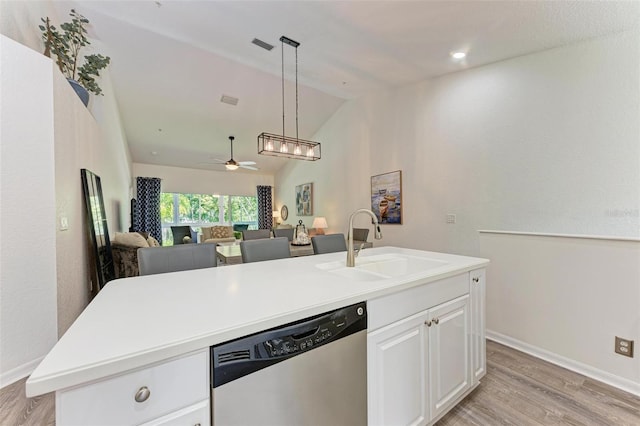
point(304, 199)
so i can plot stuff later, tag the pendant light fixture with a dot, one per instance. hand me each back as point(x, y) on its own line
point(282, 145)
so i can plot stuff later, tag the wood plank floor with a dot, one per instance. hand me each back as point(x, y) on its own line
point(523, 390)
point(18, 410)
point(517, 390)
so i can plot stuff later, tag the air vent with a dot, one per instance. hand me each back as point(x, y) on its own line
point(233, 356)
point(262, 44)
point(226, 99)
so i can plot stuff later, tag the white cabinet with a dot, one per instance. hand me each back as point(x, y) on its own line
point(172, 392)
point(421, 365)
point(397, 373)
point(478, 343)
point(449, 354)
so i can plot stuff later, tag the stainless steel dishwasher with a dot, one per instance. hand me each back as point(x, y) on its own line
point(310, 372)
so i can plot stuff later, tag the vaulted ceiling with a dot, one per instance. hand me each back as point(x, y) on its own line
point(172, 61)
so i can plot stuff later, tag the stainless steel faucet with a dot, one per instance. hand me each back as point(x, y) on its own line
point(351, 253)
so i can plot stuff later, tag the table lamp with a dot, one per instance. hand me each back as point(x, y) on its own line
point(320, 224)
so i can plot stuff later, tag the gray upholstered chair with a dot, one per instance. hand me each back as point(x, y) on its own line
point(255, 234)
point(360, 234)
point(328, 243)
point(264, 249)
point(180, 232)
point(288, 233)
point(158, 260)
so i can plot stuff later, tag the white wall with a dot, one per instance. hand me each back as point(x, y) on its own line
point(546, 142)
point(82, 142)
point(193, 181)
point(566, 300)
point(77, 140)
point(27, 211)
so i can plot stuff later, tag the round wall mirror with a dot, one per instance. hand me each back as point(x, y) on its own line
point(284, 212)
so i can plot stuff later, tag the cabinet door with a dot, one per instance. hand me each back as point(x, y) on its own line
point(478, 343)
point(449, 353)
point(396, 373)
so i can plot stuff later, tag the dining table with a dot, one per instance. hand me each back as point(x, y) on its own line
point(229, 254)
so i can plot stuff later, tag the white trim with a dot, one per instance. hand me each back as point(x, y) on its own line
point(542, 234)
point(19, 372)
point(586, 370)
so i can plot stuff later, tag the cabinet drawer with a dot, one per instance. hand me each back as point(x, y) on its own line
point(388, 309)
point(172, 385)
point(194, 415)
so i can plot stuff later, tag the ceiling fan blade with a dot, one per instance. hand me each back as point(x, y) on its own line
point(247, 163)
point(248, 167)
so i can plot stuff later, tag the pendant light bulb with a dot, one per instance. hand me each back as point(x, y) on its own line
point(297, 150)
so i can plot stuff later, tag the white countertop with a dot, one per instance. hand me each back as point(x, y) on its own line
point(134, 322)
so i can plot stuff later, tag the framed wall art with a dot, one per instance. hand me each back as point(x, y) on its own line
point(304, 199)
point(386, 197)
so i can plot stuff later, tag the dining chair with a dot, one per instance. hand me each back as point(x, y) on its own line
point(328, 243)
point(255, 234)
point(264, 249)
point(180, 232)
point(158, 260)
point(360, 234)
point(288, 233)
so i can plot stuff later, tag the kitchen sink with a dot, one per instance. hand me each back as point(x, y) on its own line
point(371, 268)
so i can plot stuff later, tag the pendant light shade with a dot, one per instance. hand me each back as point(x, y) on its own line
point(282, 145)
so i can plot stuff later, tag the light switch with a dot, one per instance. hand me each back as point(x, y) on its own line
point(451, 218)
point(64, 223)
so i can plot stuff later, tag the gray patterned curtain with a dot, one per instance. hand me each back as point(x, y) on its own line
point(147, 214)
point(265, 207)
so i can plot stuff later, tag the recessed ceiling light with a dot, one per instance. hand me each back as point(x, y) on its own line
point(458, 55)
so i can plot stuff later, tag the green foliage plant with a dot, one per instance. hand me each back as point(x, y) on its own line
point(66, 43)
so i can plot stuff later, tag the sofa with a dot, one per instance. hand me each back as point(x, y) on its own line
point(124, 249)
point(218, 234)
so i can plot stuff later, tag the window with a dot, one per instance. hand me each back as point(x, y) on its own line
point(199, 210)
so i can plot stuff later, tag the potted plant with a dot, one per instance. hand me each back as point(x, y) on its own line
point(66, 45)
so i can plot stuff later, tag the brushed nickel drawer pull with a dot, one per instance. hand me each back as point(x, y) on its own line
point(143, 394)
point(436, 321)
point(427, 323)
point(476, 279)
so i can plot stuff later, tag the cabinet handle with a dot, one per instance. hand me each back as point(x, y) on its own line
point(476, 279)
point(427, 323)
point(436, 321)
point(143, 394)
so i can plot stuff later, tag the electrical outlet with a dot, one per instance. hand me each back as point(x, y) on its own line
point(451, 218)
point(64, 223)
point(624, 347)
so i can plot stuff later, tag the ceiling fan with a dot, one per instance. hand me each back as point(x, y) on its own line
point(232, 164)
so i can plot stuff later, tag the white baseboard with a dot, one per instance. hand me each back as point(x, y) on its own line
point(586, 370)
point(12, 376)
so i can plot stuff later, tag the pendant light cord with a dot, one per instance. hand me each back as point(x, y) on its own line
point(296, 93)
point(282, 51)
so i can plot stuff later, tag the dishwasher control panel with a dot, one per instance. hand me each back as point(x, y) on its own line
point(242, 356)
point(295, 343)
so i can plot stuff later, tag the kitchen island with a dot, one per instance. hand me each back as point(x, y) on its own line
point(135, 324)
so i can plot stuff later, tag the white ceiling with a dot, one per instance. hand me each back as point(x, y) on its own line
point(173, 60)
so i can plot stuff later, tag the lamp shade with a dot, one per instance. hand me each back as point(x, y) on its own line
point(276, 214)
point(319, 223)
